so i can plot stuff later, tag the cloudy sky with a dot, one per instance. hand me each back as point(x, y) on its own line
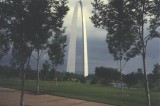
point(98, 53)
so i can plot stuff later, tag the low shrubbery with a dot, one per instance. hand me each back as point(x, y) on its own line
point(103, 76)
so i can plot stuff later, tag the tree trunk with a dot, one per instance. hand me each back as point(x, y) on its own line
point(55, 75)
point(22, 73)
point(121, 83)
point(121, 77)
point(37, 88)
point(144, 60)
point(27, 66)
point(22, 86)
point(146, 80)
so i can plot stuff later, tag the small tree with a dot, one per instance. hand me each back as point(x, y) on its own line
point(15, 18)
point(156, 72)
point(45, 70)
point(57, 49)
point(116, 20)
point(45, 16)
point(134, 15)
point(134, 78)
point(108, 75)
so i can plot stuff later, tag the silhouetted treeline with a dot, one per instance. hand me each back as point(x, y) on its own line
point(107, 75)
point(49, 74)
point(103, 76)
point(6, 71)
point(134, 79)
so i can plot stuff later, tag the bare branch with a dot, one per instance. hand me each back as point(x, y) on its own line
point(42, 54)
point(138, 49)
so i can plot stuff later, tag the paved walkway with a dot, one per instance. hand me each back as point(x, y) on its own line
point(11, 97)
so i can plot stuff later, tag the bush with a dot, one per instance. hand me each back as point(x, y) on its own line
point(83, 80)
point(94, 80)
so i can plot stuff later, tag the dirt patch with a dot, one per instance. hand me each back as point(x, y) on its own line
point(10, 97)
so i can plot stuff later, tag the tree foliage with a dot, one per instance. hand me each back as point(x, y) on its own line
point(155, 19)
point(115, 18)
point(45, 70)
point(4, 31)
point(15, 18)
point(28, 24)
point(154, 78)
point(107, 74)
point(134, 78)
point(156, 72)
point(4, 38)
point(4, 45)
point(57, 48)
point(45, 16)
point(128, 18)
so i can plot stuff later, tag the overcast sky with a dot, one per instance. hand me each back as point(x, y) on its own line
point(98, 53)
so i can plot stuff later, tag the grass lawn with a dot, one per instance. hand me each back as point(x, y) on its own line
point(109, 95)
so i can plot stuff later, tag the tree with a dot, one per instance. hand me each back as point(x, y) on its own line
point(134, 78)
point(155, 19)
point(46, 16)
point(45, 70)
point(40, 12)
point(130, 80)
point(116, 20)
point(57, 49)
point(28, 23)
point(136, 14)
point(107, 74)
point(4, 32)
point(155, 32)
point(156, 72)
point(139, 75)
point(140, 11)
point(15, 14)
point(154, 78)
point(70, 76)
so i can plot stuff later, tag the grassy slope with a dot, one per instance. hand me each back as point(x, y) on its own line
point(132, 97)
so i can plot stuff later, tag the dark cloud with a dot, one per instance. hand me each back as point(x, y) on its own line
point(98, 53)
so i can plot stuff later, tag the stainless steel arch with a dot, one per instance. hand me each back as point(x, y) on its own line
point(72, 42)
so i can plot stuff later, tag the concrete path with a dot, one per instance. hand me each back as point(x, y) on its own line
point(11, 97)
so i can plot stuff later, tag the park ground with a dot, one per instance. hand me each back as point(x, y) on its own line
point(71, 94)
point(11, 97)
